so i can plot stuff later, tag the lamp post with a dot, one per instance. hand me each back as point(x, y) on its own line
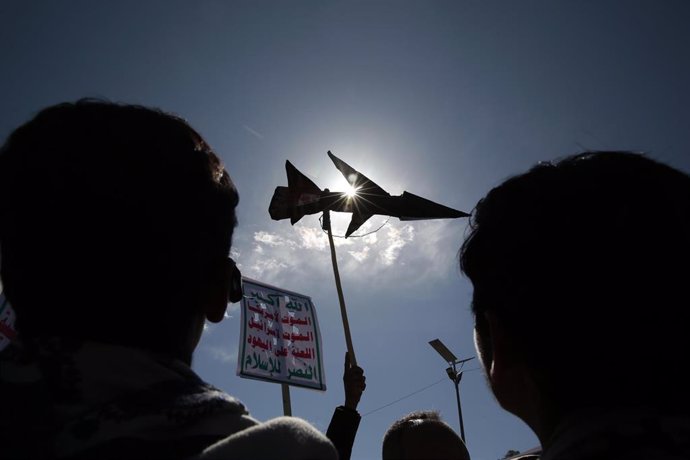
point(453, 374)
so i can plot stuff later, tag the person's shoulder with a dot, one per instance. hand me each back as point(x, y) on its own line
point(289, 438)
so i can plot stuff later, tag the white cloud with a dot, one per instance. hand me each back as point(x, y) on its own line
point(263, 266)
point(312, 238)
point(416, 252)
point(360, 256)
point(370, 239)
point(397, 239)
point(270, 239)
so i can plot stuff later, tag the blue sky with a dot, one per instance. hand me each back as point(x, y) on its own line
point(444, 99)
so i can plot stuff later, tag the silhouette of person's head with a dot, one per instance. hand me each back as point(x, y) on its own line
point(422, 435)
point(115, 225)
point(580, 271)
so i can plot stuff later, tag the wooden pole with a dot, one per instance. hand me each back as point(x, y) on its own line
point(287, 408)
point(343, 310)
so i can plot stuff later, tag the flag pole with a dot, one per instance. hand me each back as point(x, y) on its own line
point(343, 311)
point(287, 407)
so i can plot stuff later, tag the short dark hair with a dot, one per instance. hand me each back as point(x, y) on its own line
point(110, 216)
point(394, 446)
point(586, 260)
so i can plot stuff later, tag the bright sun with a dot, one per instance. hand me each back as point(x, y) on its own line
point(350, 191)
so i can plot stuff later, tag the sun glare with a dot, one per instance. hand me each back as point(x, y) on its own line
point(350, 191)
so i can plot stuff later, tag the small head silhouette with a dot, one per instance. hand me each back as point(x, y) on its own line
point(423, 435)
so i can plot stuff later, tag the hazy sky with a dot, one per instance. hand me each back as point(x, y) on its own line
point(444, 99)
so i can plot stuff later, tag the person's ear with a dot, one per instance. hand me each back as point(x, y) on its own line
point(482, 341)
point(504, 363)
point(227, 290)
point(499, 354)
point(216, 305)
point(234, 282)
point(512, 378)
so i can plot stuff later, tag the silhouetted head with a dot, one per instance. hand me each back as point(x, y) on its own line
point(423, 435)
point(115, 225)
point(580, 271)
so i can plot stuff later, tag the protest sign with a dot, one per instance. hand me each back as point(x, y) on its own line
point(280, 340)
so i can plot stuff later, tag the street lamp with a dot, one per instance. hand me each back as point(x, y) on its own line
point(453, 374)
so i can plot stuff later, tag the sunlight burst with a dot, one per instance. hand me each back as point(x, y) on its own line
point(350, 191)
